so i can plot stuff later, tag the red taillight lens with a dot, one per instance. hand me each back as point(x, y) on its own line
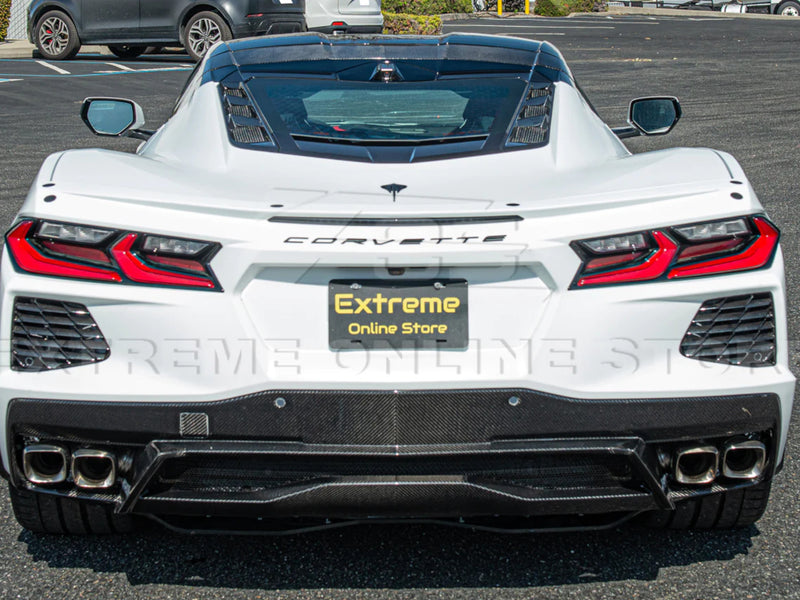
point(83, 252)
point(711, 248)
point(137, 270)
point(651, 267)
point(754, 255)
point(30, 259)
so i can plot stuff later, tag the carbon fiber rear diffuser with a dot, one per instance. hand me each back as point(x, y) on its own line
point(283, 527)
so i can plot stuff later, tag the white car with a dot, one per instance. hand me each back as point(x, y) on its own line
point(344, 16)
point(355, 279)
point(785, 8)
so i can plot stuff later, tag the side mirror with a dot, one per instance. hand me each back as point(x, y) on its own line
point(654, 116)
point(114, 117)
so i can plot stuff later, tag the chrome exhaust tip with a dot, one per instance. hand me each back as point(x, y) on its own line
point(696, 465)
point(44, 463)
point(93, 469)
point(744, 460)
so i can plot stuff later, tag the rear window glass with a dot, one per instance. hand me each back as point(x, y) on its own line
point(389, 112)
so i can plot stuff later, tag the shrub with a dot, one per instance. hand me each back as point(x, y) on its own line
point(5, 15)
point(426, 7)
point(406, 24)
point(551, 8)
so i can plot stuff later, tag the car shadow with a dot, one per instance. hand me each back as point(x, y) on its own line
point(389, 556)
point(166, 55)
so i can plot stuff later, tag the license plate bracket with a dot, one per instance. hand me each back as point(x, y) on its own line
point(429, 314)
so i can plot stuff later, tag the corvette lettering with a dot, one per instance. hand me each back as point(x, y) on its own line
point(328, 241)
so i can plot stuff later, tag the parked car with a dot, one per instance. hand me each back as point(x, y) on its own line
point(344, 16)
point(128, 27)
point(787, 8)
point(357, 278)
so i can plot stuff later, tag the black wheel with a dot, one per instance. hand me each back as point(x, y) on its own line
point(127, 52)
point(726, 510)
point(202, 31)
point(790, 8)
point(55, 36)
point(42, 513)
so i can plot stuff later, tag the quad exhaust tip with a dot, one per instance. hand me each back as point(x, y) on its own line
point(696, 465)
point(93, 469)
point(744, 460)
point(45, 464)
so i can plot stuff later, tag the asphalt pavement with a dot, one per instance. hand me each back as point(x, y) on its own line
point(739, 83)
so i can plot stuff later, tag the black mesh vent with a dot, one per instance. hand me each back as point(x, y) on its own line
point(249, 135)
point(527, 135)
point(50, 334)
point(242, 110)
point(540, 92)
point(737, 331)
point(532, 126)
point(533, 110)
point(244, 125)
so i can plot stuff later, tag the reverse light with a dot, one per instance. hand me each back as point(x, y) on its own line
point(156, 244)
point(711, 248)
point(84, 252)
point(704, 232)
point(65, 232)
point(622, 243)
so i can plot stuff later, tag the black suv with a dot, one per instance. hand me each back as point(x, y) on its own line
point(128, 27)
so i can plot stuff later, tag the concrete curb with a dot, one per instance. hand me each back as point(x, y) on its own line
point(620, 10)
point(24, 49)
point(684, 12)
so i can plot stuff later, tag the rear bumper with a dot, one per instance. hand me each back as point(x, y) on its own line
point(268, 24)
point(407, 454)
point(347, 28)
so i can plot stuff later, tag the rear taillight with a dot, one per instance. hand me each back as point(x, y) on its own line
point(724, 246)
point(84, 252)
point(139, 266)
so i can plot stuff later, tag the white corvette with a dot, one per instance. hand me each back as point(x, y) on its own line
point(390, 278)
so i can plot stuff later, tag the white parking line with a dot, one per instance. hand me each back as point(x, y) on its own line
point(121, 67)
point(55, 68)
point(7, 80)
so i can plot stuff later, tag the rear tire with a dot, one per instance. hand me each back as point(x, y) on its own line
point(127, 52)
point(43, 513)
point(202, 31)
point(56, 36)
point(790, 8)
point(725, 510)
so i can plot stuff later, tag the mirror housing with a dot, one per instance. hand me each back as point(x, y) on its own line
point(654, 115)
point(114, 117)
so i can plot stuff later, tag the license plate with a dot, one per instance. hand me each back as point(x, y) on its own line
point(404, 315)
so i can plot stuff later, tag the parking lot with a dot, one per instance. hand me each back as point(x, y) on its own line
point(739, 83)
